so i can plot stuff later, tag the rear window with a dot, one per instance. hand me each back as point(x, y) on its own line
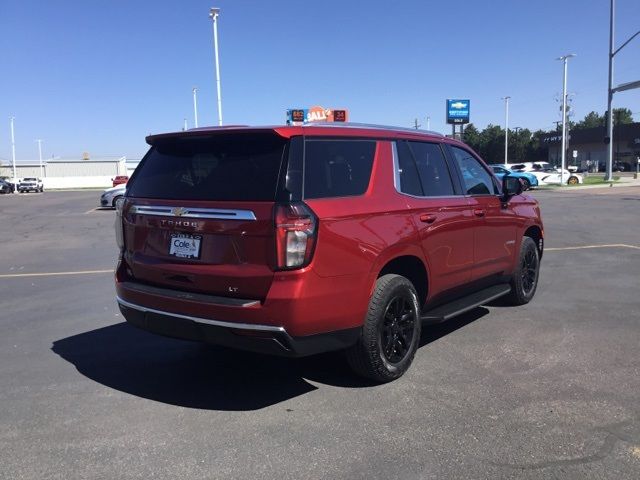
point(238, 167)
point(337, 168)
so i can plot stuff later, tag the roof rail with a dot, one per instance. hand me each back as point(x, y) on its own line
point(371, 126)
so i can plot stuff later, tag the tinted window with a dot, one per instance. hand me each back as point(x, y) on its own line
point(432, 169)
point(224, 167)
point(337, 168)
point(407, 171)
point(497, 169)
point(477, 181)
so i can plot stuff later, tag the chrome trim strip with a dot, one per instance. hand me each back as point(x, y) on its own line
point(191, 212)
point(206, 321)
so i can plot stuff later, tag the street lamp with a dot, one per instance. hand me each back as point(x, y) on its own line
point(195, 106)
point(213, 14)
point(611, 91)
point(565, 59)
point(40, 156)
point(13, 158)
point(506, 130)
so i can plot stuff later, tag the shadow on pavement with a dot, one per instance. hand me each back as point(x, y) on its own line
point(208, 377)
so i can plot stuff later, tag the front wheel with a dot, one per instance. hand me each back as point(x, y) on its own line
point(526, 184)
point(391, 331)
point(525, 277)
point(115, 200)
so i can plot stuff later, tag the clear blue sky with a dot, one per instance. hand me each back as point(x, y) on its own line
point(99, 75)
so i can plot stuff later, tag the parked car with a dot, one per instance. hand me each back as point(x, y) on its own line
point(6, 186)
point(551, 176)
point(30, 184)
point(111, 195)
point(528, 179)
point(529, 166)
point(297, 240)
point(120, 179)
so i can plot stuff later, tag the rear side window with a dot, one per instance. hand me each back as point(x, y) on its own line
point(432, 168)
point(337, 168)
point(240, 167)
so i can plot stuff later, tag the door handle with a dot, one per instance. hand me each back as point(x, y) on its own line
point(478, 212)
point(428, 218)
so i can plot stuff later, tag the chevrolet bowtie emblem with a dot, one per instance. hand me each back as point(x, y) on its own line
point(178, 211)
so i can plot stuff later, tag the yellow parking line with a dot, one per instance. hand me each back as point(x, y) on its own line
point(53, 274)
point(583, 247)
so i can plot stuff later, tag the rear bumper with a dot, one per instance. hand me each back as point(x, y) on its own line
point(269, 339)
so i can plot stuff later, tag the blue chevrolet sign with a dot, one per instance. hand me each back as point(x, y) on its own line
point(458, 111)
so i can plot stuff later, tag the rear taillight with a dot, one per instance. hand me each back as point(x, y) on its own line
point(296, 232)
point(118, 226)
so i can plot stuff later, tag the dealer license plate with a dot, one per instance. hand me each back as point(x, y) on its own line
point(184, 245)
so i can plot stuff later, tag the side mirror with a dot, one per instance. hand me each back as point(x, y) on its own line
point(511, 186)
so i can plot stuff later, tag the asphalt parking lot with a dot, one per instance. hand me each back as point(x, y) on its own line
point(548, 390)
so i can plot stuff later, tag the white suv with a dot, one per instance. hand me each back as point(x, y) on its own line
point(30, 184)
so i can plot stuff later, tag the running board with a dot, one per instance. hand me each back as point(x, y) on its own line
point(464, 304)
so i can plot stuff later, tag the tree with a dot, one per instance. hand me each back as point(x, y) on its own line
point(591, 120)
point(622, 116)
point(471, 136)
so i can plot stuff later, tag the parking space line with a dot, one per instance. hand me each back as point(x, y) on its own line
point(53, 274)
point(89, 211)
point(584, 247)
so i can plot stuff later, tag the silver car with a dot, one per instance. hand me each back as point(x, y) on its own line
point(111, 195)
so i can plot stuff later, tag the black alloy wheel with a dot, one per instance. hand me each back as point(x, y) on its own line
point(529, 271)
point(524, 281)
point(397, 329)
point(390, 333)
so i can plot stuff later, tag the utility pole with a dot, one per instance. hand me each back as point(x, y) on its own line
point(416, 125)
point(428, 123)
point(565, 59)
point(515, 139)
point(506, 130)
point(13, 158)
point(611, 90)
point(195, 107)
point(40, 156)
point(184, 125)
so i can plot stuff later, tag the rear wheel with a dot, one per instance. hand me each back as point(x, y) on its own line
point(525, 278)
point(573, 181)
point(391, 331)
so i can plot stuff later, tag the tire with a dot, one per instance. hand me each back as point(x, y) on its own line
point(114, 201)
point(573, 181)
point(526, 184)
point(525, 277)
point(391, 331)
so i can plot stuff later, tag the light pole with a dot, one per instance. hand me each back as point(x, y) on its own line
point(195, 106)
point(506, 130)
point(428, 123)
point(214, 13)
point(13, 158)
point(611, 90)
point(40, 156)
point(563, 155)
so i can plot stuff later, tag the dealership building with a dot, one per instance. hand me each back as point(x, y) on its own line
point(587, 148)
point(70, 173)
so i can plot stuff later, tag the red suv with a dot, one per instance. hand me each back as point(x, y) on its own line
point(296, 240)
point(120, 179)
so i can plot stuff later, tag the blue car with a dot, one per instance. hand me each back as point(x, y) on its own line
point(528, 180)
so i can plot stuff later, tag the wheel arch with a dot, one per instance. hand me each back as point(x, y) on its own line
point(535, 233)
point(412, 268)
